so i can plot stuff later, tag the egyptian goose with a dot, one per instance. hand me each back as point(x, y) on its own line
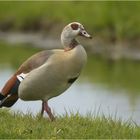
point(48, 73)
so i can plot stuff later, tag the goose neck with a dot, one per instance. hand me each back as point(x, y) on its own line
point(69, 43)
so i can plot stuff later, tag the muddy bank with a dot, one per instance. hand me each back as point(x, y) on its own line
point(97, 46)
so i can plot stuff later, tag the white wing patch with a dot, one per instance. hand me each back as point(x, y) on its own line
point(21, 76)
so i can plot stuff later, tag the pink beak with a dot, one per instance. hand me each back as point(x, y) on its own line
point(85, 34)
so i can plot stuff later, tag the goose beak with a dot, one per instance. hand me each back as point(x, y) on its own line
point(85, 34)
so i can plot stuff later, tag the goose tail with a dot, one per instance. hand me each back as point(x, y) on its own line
point(11, 97)
point(1, 96)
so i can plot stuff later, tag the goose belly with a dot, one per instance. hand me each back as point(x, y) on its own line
point(44, 83)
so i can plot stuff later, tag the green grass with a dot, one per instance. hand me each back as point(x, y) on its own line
point(110, 20)
point(74, 126)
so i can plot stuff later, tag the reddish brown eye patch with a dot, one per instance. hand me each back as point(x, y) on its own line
point(74, 26)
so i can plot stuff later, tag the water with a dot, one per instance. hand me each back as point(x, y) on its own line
point(103, 88)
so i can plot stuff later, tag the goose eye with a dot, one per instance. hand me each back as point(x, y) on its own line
point(84, 32)
point(74, 26)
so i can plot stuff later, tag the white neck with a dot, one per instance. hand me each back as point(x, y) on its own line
point(68, 41)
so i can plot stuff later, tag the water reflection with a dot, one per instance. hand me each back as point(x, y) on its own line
point(86, 95)
point(123, 74)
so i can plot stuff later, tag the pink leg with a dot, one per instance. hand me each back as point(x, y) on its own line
point(45, 107)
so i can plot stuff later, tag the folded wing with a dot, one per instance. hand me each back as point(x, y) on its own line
point(9, 93)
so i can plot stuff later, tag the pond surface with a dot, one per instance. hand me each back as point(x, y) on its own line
point(105, 87)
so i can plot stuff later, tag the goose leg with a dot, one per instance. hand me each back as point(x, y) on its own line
point(42, 109)
point(46, 108)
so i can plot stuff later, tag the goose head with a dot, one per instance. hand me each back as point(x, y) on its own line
point(71, 31)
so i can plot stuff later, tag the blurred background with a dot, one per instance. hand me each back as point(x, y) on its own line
point(110, 82)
